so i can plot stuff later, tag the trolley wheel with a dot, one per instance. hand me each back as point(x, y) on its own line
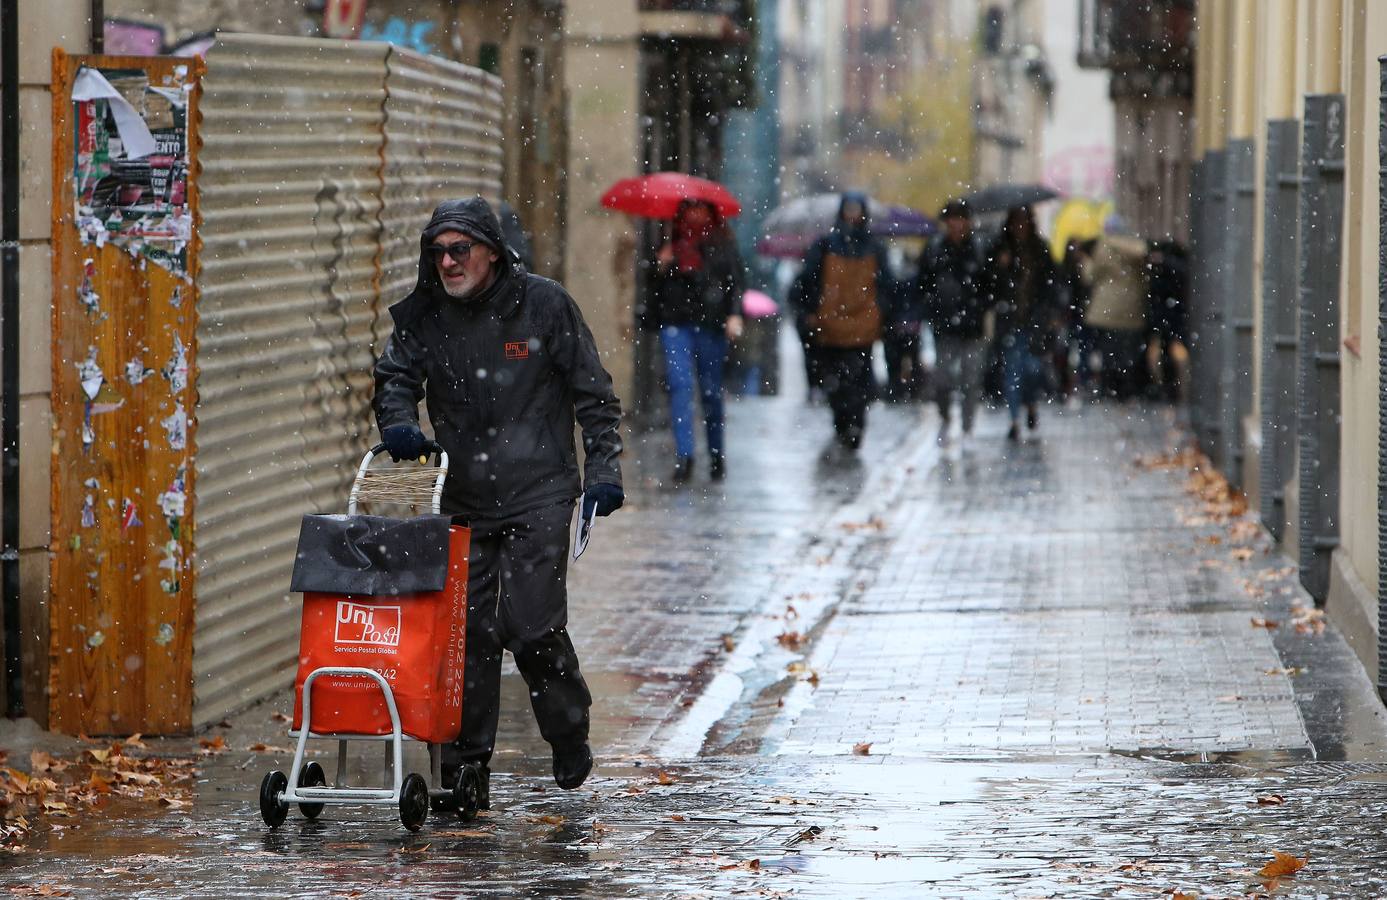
point(312, 775)
point(466, 793)
point(414, 801)
point(272, 808)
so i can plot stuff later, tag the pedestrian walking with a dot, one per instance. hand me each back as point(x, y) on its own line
point(952, 287)
point(698, 307)
point(1023, 282)
point(1077, 254)
point(845, 280)
point(1117, 310)
point(1168, 318)
point(506, 365)
point(900, 340)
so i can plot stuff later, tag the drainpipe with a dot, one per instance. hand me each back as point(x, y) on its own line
point(98, 26)
point(9, 351)
point(1381, 393)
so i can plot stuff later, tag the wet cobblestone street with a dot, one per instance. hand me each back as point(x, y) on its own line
point(1006, 671)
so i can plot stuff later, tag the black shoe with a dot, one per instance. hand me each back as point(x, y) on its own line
point(572, 764)
point(683, 470)
point(717, 468)
point(1032, 420)
point(1014, 434)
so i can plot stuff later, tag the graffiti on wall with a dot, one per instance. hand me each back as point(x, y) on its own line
point(414, 35)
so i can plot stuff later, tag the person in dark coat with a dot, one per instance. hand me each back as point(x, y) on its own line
point(1024, 284)
point(952, 287)
point(845, 282)
point(1168, 295)
point(698, 305)
point(506, 365)
point(900, 343)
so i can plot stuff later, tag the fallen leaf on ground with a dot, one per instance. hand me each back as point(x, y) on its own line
point(552, 820)
point(663, 777)
point(1259, 622)
point(134, 741)
point(728, 644)
point(751, 865)
point(676, 818)
point(863, 749)
point(1270, 800)
point(1283, 864)
point(1242, 554)
point(99, 755)
point(173, 802)
point(43, 890)
point(1288, 671)
point(280, 717)
point(213, 745)
point(791, 640)
point(40, 762)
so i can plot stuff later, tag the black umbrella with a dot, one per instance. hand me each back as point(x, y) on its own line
point(1008, 196)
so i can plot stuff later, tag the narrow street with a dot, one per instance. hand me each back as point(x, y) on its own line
point(1026, 671)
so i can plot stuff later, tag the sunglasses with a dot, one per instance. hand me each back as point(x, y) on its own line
point(458, 252)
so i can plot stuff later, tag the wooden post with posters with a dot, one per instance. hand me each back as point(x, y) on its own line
point(124, 347)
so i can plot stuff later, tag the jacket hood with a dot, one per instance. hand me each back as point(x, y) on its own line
point(859, 198)
point(474, 218)
point(857, 241)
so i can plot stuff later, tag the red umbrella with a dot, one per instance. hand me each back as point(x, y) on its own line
point(658, 196)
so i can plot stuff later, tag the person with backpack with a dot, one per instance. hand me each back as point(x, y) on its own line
point(951, 287)
point(845, 281)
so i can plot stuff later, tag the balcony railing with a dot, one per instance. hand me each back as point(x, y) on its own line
point(1126, 35)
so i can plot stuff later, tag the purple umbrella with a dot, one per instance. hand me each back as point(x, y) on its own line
point(792, 227)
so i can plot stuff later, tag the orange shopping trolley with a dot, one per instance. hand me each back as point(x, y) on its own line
point(381, 648)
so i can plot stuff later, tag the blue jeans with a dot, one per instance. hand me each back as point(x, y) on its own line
point(1023, 374)
point(692, 350)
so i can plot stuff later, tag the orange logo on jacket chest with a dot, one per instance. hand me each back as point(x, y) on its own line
point(517, 349)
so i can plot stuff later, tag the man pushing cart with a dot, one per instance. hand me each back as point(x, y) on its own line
point(505, 365)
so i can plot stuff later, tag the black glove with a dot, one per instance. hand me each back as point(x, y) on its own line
point(605, 498)
point(404, 441)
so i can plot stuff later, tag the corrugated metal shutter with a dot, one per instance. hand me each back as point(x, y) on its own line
point(290, 181)
point(442, 141)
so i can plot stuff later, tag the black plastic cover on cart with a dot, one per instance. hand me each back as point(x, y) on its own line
point(371, 555)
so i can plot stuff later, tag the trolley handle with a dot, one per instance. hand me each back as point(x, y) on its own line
point(440, 457)
point(430, 447)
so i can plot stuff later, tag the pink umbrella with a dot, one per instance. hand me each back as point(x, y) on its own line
point(756, 305)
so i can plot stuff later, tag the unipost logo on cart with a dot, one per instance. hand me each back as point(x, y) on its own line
point(358, 623)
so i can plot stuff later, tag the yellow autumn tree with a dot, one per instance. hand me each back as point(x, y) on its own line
point(933, 158)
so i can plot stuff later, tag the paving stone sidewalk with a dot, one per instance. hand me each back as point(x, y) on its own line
point(1011, 671)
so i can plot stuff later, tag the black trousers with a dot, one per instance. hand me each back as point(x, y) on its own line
point(847, 375)
point(904, 378)
point(517, 600)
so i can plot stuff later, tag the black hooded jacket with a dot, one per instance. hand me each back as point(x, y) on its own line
point(505, 373)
